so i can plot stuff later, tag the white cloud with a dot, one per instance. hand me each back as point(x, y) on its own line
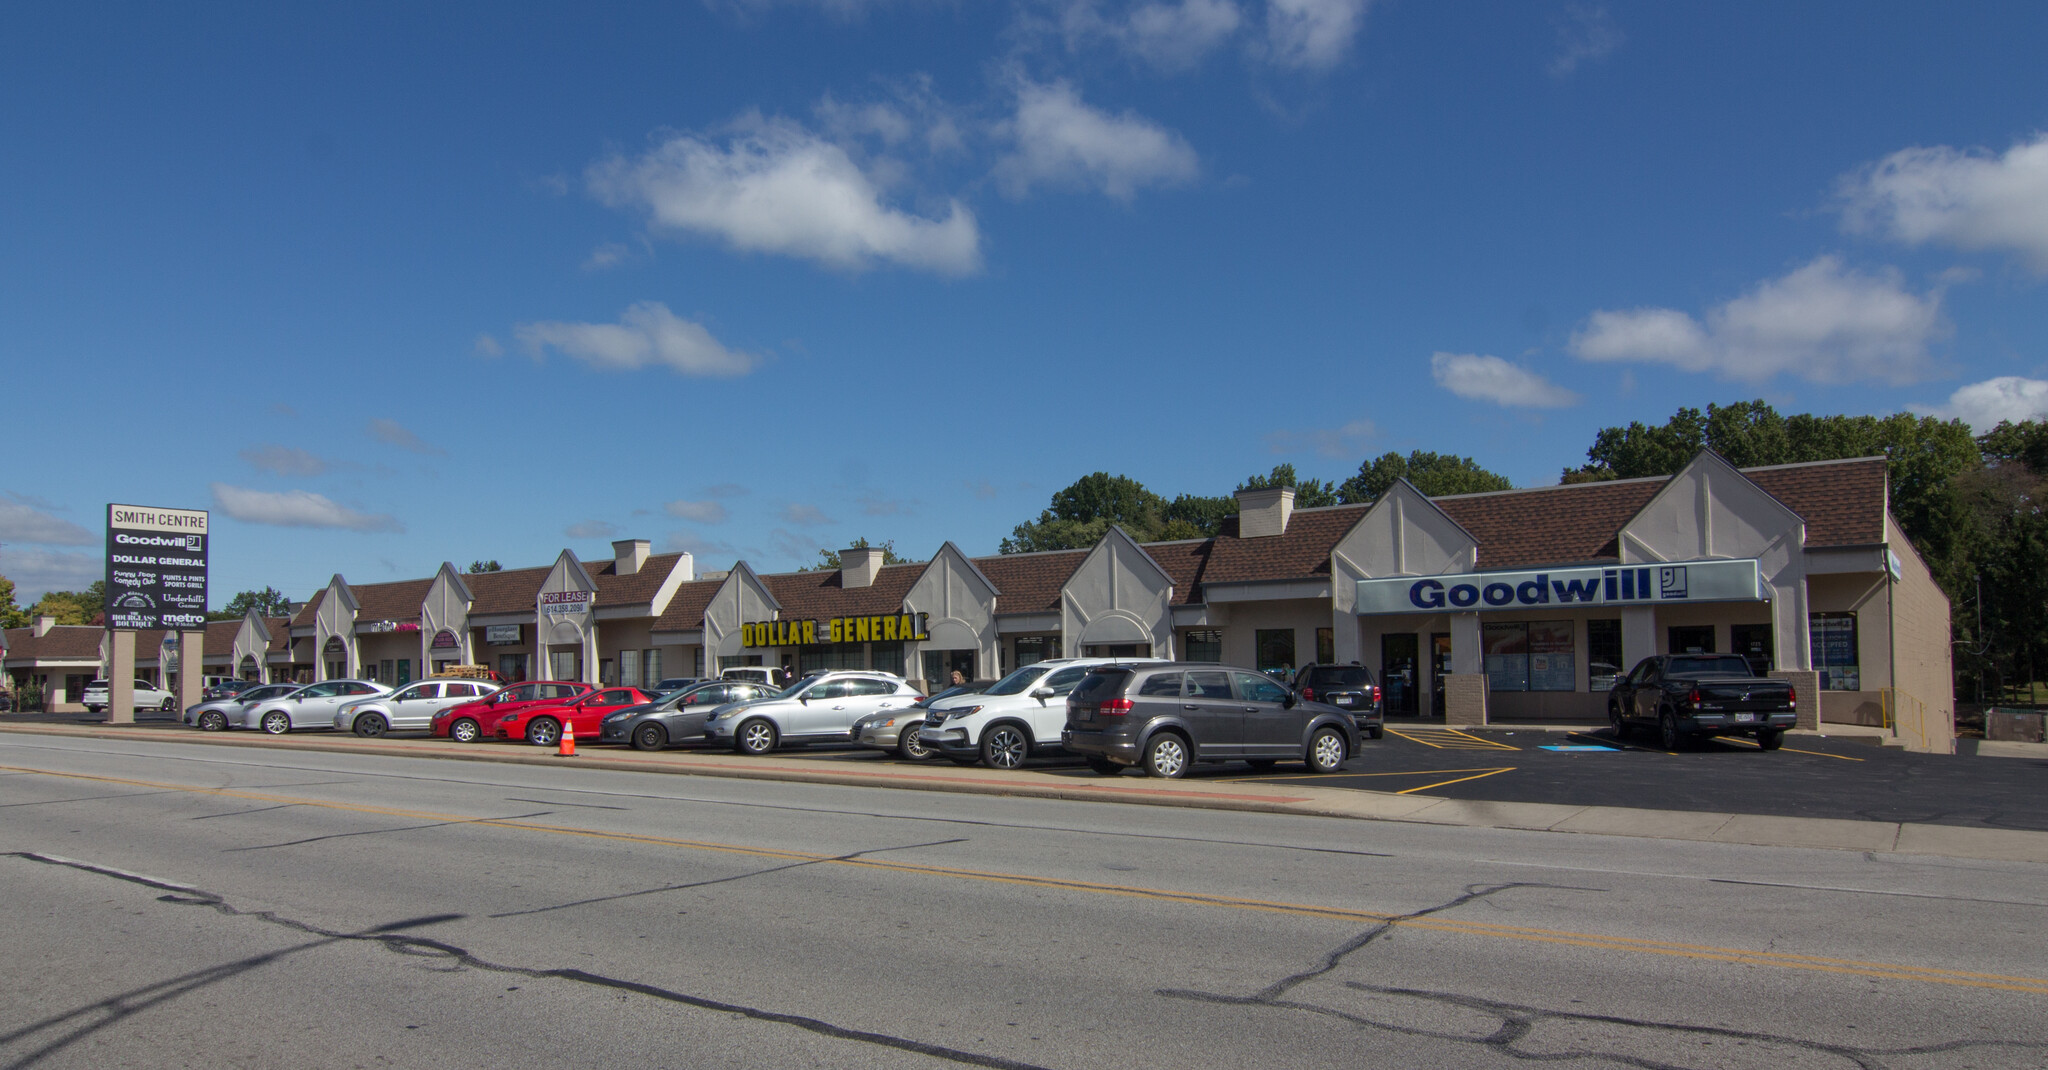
point(697, 546)
point(913, 115)
point(1487, 378)
point(284, 460)
point(775, 187)
point(804, 515)
point(393, 433)
point(487, 346)
point(1585, 32)
point(1823, 322)
point(610, 254)
point(1312, 34)
point(647, 333)
point(1061, 141)
point(1342, 441)
point(697, 512)
point(1970, 200)
point(297, 509)
point(1983, 405)
point(38, 572)
point(875, 505)
point(591, 529)
point(1172, 37)
point(23, 522)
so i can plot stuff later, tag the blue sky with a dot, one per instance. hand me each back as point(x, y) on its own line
point(383, 285)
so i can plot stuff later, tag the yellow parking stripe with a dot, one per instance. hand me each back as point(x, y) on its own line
point(1433, 923)
point(1448, 739)
point(1460, 780)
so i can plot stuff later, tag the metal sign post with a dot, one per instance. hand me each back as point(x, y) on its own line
point(156, 579)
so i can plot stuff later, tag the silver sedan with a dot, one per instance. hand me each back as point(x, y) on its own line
point(222, 714)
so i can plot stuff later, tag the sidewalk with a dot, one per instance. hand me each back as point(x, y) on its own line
point(1292, 797)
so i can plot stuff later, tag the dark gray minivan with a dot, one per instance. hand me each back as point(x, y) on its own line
point(1166, 716)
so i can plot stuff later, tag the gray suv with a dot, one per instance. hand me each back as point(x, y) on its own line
point(1167, 717)
point(817, 709)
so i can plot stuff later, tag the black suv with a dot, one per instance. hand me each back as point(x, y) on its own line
point(1349, 687)
point(1168, 716)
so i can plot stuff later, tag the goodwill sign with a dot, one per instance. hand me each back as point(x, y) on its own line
point(1693, 581)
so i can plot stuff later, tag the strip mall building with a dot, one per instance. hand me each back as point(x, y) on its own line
point(1514, 606)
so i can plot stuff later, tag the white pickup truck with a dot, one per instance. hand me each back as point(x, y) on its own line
point(148, 696)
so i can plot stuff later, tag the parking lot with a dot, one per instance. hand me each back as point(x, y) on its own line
point(1812, 776)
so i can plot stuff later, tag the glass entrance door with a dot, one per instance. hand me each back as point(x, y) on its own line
point(1753, 642)
point(1697, 639)
point(940, 665)
point(1439, 667)
point(1400, 657)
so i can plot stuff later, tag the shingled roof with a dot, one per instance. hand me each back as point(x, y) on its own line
point(63, 642)
point(818, 594)
point(1030, 583)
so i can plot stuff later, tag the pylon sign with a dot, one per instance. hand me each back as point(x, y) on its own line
point(156, 567)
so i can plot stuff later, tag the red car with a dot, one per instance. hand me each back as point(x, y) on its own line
point(466, 723)
point(540, 723)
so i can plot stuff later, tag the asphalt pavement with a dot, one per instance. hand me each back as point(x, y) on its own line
point(198, 904)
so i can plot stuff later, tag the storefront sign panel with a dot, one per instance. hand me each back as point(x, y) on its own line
point(1690, 581)
point(156, 567)
point(874, 628)
point(565, 603)
point(445, 640)
point(502, 635)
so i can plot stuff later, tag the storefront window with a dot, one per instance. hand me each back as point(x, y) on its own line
point(650, 668)
point(830, 656)
point(885, 656)
point(629, 668)
point(1834, 651)
point(1507, 657)
point(1202, 645)
point(1275, 649)
point(1036, 648)
point(512, 667)
point(697, 662)
point(1326, 645)
point(1603, 654)
point(1552, 664)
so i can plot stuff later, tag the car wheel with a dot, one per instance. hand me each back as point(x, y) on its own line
point(465, 731)
point(1167, 756)
point(1326, 751)
point(1616, 721)
point(909, 746)
point(1004, 747)
point(543, 731)
point(1103, 765)
point(755, 737)
point(1770, 739)
point(169, 706)
point(92, 709)
point(1378, 731)
point(649, 736)
point(371, 725)
point(1672, 738)
point(213, 721)
point(277, 722)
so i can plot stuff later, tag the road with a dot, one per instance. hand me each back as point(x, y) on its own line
point(194, 905)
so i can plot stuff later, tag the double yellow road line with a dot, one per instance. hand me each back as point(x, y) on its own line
point(1430, 923)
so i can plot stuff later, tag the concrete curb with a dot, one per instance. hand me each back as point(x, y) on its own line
point(1947, 841)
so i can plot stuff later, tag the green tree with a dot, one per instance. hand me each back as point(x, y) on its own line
point(11, 615)
point(829, 559)
point(1434, 474)
point(1080, 513)
point(269, 601)
point(1192, 516)
point(74, 607)
point(1308, 493)
point(485, 566)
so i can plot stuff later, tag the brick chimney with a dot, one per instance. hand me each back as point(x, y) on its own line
point(41, 625)
point(1264, 512)
point(628, 555)
point(858, 565)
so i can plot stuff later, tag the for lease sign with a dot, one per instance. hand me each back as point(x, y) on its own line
point(156, 567)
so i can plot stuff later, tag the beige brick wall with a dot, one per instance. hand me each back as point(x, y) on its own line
point(1925, 711)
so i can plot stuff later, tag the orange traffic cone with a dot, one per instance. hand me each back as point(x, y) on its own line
point(567, 748)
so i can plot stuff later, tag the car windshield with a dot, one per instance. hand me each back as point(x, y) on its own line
point(271, 691)
point(1017, 682)
point(1725, 664)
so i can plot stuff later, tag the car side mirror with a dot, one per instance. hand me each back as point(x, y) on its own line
point(805, 699)
point(1042, 693)
point(1288, 702)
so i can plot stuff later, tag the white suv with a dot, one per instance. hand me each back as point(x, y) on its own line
point(820, 708)
point(1020, 717)
point(148, 696)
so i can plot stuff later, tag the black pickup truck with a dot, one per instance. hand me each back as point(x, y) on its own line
point(1694, 696)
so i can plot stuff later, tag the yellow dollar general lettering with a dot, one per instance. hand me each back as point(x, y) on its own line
point(746, 635)
point(889, 629)
point(810, 632)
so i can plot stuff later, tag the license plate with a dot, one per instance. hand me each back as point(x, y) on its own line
point(1745, 717)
